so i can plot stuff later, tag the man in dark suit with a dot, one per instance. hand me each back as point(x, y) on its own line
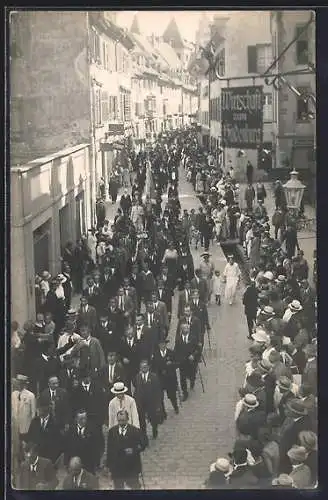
point(146, 338)
point(106, 284)
point(165, 367)
point(87, 315)
point(136, 282)
point(187, 352)
point(193, 321)
point(124, 304)
point(90, 395)
point(126, 202)
point(165, 295)
point(153, 321)
point(199, 309)
point(161, 311)
point(251, 417)
point(124, 445)
point(250, 304)
point(184, 299)
point(129, 353)
point(78, 478)
point(167, 279)
point(36, 472)
point(45, 434)
point(57, 399)
point(200, 284)
point(296, 420)
point(148, 397)
point(85, 441)
point(108, 337)
point(92, 358)
point(130, 291)
point(115, 318)
point(113, 372)
point(92, 294)
point(147, 282)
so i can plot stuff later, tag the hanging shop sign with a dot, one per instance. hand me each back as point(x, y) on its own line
point(242, 117)
point(116, 129)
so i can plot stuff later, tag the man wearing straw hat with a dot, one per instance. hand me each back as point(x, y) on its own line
point(122, 401)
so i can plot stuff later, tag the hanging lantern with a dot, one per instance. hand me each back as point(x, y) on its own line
point(294, 190)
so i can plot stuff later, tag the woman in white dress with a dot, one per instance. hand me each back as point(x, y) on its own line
point(232, 275)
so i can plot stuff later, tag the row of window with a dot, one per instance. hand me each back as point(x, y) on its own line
point(261, 56)
point(109, 54)
point(111, 108)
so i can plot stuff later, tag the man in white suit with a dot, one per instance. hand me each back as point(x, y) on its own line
point(122, 401)
point(23, 408)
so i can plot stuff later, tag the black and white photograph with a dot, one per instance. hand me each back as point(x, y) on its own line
point(163, 270)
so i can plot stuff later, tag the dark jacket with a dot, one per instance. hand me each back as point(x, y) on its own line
point(61, 408)
point(119, 462)
point(45, 473)
point(249, 422)
point(250, 300)
point(165, 368)
point(88, 482)
point(49, 441)
point(88, 447)
point(148, 395)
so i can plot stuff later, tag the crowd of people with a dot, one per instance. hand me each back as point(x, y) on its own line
point(276, 416)
point(87, 381)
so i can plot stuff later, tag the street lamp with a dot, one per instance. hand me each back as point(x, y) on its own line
point(294, 190)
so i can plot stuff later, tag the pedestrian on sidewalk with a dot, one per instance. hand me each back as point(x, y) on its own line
point(113, 187)
point(250, 306)
point(260, 192)
point(217, 286)
point(249, 197)
point(249, 172)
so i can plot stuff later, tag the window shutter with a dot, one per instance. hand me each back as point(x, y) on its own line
point(104, 106)
point(252, 58)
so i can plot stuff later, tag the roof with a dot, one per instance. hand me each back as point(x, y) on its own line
point(172, 33)
point(169, 55)
point(135, 26)
point(144, 44)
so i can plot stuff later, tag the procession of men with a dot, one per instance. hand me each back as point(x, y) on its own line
point(93, 385)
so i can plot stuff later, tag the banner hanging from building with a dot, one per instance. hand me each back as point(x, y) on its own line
point(242, 117)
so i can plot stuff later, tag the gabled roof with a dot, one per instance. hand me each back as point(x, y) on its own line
point(172, 33)
point(135, 26)
point(144, 45)
point(169, 55)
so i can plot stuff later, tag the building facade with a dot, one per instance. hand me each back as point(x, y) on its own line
point(243, 51)
point(48, 208)
point(294, 123)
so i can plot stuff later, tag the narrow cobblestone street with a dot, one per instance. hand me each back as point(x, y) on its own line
point(187, 443)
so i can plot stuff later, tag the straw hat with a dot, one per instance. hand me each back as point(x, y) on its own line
point(21, 378)
point(297, 453)
point(283, 480)
point(295, 306)
point(261, 336)
point(250, 400)
point(46, 275)
point(119, 388)
point(309, 440)
point(268, 275)
point(284, 383)
point(296, 407)
point(268, 310)
point(221, 465)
